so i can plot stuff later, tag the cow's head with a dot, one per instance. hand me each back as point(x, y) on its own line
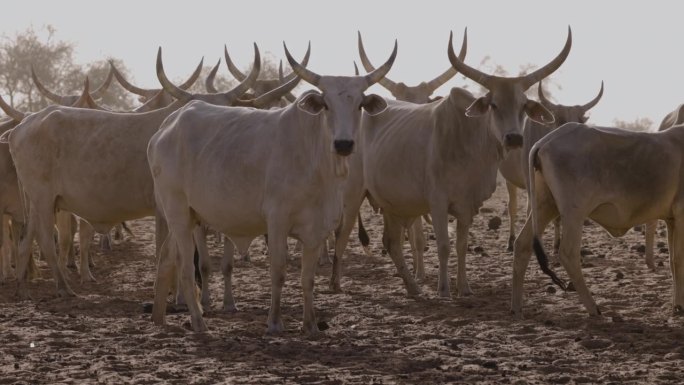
point(505, 100)
point(419, 94)
point(567, 114)
point(223, 98)
point(341, 99)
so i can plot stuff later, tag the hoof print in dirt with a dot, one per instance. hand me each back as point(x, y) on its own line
point(494, 223)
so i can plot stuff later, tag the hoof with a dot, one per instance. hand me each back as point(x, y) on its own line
point(420, 276)
point(199, 326)
point(247, 258)
point(65, 293)
point(275, 328)
point(88, 278)
point(231, 309)
point(413, 291)
point(517, 315)
point(173, 308)
point(465, 292)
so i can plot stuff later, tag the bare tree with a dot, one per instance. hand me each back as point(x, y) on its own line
point(638, 124)
point(53, 62)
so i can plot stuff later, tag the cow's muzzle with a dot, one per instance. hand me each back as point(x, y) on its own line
point(513, 140)
point(343, 147)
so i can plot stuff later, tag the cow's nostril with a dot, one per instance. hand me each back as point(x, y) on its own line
point(344, 147)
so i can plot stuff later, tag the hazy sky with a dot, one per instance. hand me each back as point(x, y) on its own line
point(635, 47)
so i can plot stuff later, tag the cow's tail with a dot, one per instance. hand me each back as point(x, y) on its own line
point(542, 257)
point(363, 235)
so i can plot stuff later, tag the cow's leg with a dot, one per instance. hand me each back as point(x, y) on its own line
point(650, 241)
point(227, 264)
point(461, 252)
point(65, 238)
point(106, 241)
point(277, 251)
point(557, 235)
point(440, 224)
point(4, 249)
point(677, 262)
point(166, 274)
point(417, 241)
point(24, 254)
point(521, 255)
point(46, 241)
point(351, 210)
point(309, 257)
point(570, 258)
point(85, 238)
point(200, 237)
point(394, 238)
point(512, 212)
point(364, 239)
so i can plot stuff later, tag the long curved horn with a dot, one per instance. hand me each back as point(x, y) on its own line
point(385, 82)
point(104, 86)
point(281, 78)
point(85, 100)
point(542, 98)
point(237, 74)
point(451, 72)
point(534, 77)
point(148, 93)
point(43, 90)
point(193, 77)
point(380, 73)
point(275, 94)
point(304, 63)
point(308, 75)
point(209, 81)
point(471, 73)
point(592, 103)
point(356, 69)
point(16, 115)
point(169, 87)
point(248, 82)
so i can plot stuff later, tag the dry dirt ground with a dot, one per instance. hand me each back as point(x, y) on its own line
point(376, 334)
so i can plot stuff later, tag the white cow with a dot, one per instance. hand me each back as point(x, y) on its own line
point(60, 151)
point(674, 118)
point(247, 172)
point(616, 178)
point(514, 166)
point(447, 154)
point(354, 195)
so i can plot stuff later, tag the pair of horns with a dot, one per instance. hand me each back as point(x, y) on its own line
point(432, 85)
point(314, 79)
point(527, 80)
point(150, 92)
point(68, 100)
point(230, 96)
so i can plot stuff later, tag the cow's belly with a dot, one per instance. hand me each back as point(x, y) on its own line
point(231, 216)
point(619, 217)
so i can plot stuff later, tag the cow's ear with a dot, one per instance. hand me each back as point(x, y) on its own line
point(312, 103)
point(479, 107)
point(373, 104)
point(538, 113)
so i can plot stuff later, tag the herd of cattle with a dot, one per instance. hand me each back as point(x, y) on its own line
point(248, 163)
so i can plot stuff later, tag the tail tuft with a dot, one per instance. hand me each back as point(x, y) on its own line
point(363, 235)
point(543, 260)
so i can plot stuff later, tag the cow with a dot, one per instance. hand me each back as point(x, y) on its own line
point(420, 94)
point(247, 172)
point(59, 151)
point(448, 153)
point(615, 177)
point(674, 118)
point(152, 98)
point(514, 166)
